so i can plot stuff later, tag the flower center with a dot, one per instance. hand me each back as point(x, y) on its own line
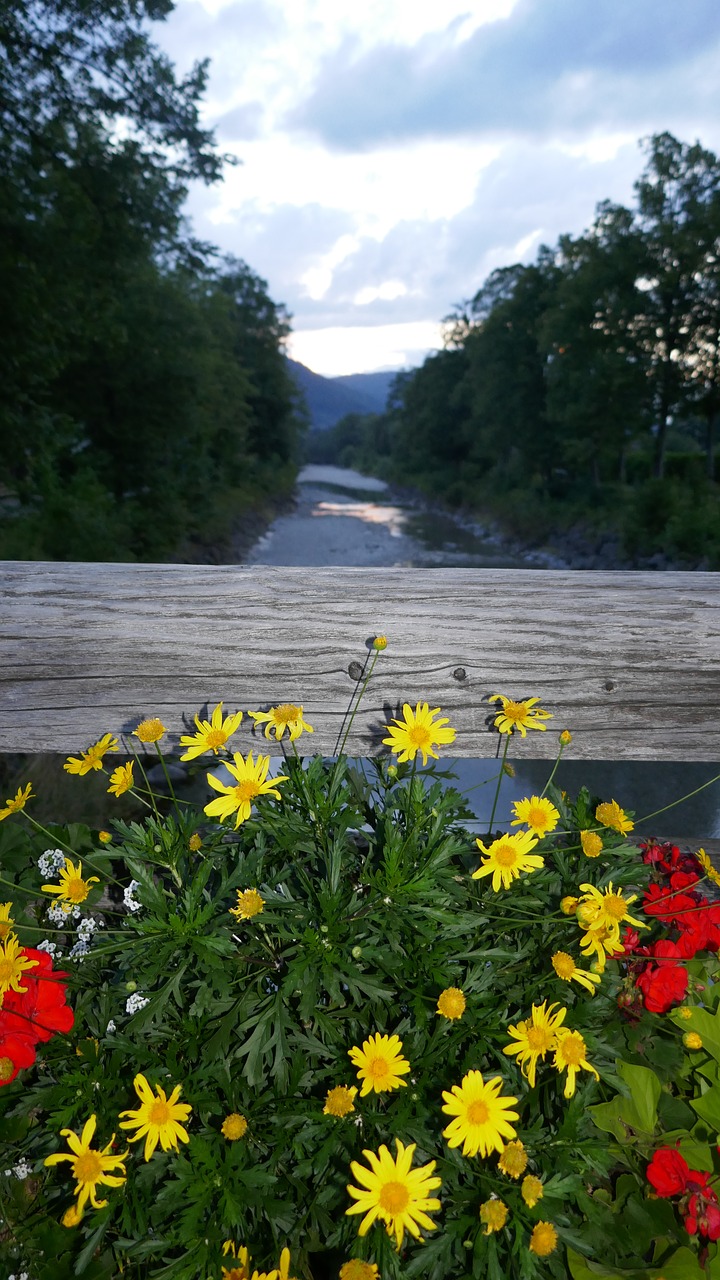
point(615, 906)
point(247, 791)
point(515, 711)
point(215, 738)
point(286, 711)
point(7, 1067)
point(88, 1167)
point(477, 1112)
point(537, 818)
point(159, 1113)
point(572, 1049)
point(377, 1068)
point(506, 856)
point(394, 1197)
point(8, 970)
point(539, 1039)
point(564, 965)
point(76, 889)
point(419, 736)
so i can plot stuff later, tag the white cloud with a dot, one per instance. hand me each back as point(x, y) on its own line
point(356, 349)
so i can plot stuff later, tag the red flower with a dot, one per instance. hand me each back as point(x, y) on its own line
point(668, 1172)
point(42, 1007)
point(16, 1050)
point(703, 1214)
point(663, 986)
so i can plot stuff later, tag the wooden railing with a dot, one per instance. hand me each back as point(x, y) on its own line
point(629, 662)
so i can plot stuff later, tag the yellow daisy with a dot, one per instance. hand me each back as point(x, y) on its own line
point(537, 813)
point(278, 719)
point(536, 1036)
point(393, 1192)
point(481, 1115)
point(73, 889)
point(251, 781)
point(211, 734)
point(284, 1266)
point(493, 1215)
point(418, 731)
point(543, 1239)
point(611, 815)
point(451, 1003)
point(571, 1056)
point(242, 1256)
point(610, 908)
point(6, 922)
point(90, 1169)
point(520, 715)
point(234, 1126)
point(150, 730)
point(513, 1160)
point(592, 844)
point(22, 795)
point(507, 857)
point(356, 1269)
point(566, 968)
point(13, 963)
point(157, 1118)
point(531, 1190)
point(121, 779)
point(707, 866)
point(380, 1064)
point(601, 941)
point(340, 1101)
point(249, 903)
point(93, 757)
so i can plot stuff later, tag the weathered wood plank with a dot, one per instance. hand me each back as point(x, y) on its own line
point(630, 662)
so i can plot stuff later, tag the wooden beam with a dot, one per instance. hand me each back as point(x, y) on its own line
point(629, 662)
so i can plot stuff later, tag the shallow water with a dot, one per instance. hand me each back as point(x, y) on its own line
point(345, 518)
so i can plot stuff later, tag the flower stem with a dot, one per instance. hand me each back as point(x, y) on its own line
point(689, 796)
point(554, 770)
point(499, 783)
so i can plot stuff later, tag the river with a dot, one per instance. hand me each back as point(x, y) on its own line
point(345, 518)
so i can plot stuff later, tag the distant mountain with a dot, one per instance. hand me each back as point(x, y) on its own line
point(330, 399)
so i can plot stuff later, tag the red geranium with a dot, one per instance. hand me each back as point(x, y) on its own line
point(16, 1050)
point(42, 1006)
point(663, 985)
point(668, 1172)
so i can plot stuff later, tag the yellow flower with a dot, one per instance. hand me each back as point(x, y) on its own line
point(537, 813)
point(571, 1056)
point(157, 1118)
point(494, 1214)
point(340, 1101)
point(451, 1003)
point(536, 1036)
point(544, 1239)
point(609, 908)
point(73, 889)
point(249, 904)
point(150, 730)
point(481, 1115)
point(394, 1192)
point(105, 837)
point(591, 844)
point(380, 1064)
point(418, 731)
point(21, 798)
point(356, 1269)
point(531, 1190)
point(707, 866)
point(692, 1040)
point(212, 734)
point(284, 1267)
point(71, 1217)
point(565, 968)
point(379, 643)
point(601, 941)
point(13, 963)
point(251, 781)
point(507, 857)
point(234, 1126)
point(278, 719)
point(611, 815)
point(90, 1169)
point(6, 923)
point(569, 905)
point(513, 1160)
point(565, 738)
point(519, 715)
point(121, 779)
point(684, 1012)
point(242, 1256)
point(93, 757)
point(194, 843)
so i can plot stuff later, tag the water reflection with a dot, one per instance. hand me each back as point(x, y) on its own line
point(394, 518)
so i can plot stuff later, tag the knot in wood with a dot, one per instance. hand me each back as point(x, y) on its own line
point(609, 685)
point(459, 673)
point(355, 671)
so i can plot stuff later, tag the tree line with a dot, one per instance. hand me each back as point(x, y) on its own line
point(585, 385)
point(144, 396)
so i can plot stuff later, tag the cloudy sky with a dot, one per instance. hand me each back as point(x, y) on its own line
point(394, 152)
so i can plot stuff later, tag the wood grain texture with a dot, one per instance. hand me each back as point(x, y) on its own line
point(629, 662)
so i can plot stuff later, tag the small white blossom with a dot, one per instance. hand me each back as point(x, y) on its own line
point(87, 927)
point(50, 947)
point(130, 902)
point(110, 1028)
point(135, 1001)
point(51, 861)
point(56, 915)
point(79, 950)
point(22, 1169)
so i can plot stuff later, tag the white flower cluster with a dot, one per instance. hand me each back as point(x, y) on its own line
point(135, 1002)
point(132, 903)
point(51, 861)
point(21, 1170)
point(50, 947)
point(85, 931)
point(23, 1276)
point(56, 915)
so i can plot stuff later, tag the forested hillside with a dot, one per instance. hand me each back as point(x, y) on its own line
point(584, 387)
point(144, 398)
